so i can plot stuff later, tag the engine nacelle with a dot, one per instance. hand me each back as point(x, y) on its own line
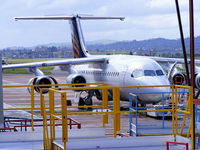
point(42, 80)
point(197, 80)
point(178, 78)
point(76, 79)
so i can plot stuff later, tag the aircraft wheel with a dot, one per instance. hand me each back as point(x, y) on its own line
point(81, 102)
point(98, 94)
point(86, 98)
point(88, 101)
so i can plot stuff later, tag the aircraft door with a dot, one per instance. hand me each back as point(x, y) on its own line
point(122, 75)
point(130, 77)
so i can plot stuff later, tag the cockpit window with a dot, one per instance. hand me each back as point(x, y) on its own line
point(149, 73)
point(137, 73)
point(159, 73)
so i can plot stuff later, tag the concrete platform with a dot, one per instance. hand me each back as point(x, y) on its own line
point(125, 143)
point(85, 139)
point(128, 143)
point(37, 135)
point(28, 145)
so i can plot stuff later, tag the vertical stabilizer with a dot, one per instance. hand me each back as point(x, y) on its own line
point(78, 43)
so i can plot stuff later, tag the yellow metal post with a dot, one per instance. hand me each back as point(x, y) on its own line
point(105, 105)
point(45, 128)
point(32, 107)
point(52, 111)
point(41, 104)
point(116, 109)
point(41, 111)
point(176, 108)
point(173, 111)
point(64, 119)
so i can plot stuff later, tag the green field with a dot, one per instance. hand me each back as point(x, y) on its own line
point(45, 70)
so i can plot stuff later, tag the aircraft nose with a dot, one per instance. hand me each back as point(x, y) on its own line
point(156, 94)
point(160, 89)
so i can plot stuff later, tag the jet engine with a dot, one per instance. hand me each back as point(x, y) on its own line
point(178, 78)
point(42, 80)
point(197, 80)
point(76, 79)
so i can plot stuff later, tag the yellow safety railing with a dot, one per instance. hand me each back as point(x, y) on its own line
point(64, 88)
point(116, 111)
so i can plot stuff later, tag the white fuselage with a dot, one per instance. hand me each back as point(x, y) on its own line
point(128, 70)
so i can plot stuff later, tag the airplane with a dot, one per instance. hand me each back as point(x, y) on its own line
point(114, 70)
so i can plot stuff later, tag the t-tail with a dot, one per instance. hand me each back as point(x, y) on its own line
point(78, 43)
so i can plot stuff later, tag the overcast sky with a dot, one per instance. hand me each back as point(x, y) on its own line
point(144, 19)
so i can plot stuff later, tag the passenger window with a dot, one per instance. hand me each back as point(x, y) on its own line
point(159, 73)
point(149, 73)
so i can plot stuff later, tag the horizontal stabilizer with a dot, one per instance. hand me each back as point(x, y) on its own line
point(66, 18)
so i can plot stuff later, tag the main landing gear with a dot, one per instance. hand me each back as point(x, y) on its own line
point(85, 98)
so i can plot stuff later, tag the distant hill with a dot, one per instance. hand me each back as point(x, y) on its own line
point(68, 44)
point(158, 44)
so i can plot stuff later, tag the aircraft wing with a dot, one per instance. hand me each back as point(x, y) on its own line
point(56, 63)
point(171, 60)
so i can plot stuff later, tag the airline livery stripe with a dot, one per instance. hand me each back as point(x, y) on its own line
point(76, 47)
point(76, 53)
point(75, 43)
